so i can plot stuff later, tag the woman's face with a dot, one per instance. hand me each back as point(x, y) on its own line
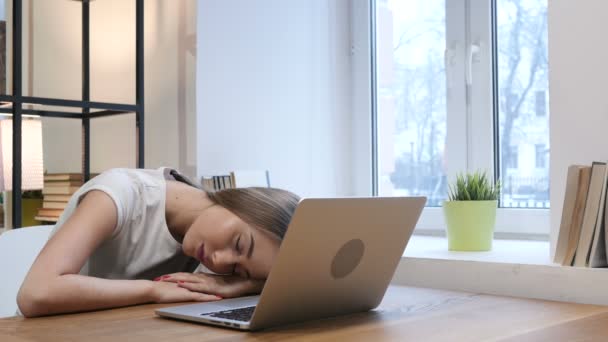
point(225, 244)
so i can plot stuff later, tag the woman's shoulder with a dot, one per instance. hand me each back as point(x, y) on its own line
point(124, 185)
point(130, 171)
point(130, 176)
point(130, 189)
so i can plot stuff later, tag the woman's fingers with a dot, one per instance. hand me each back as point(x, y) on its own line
point(177, 277)
point(193, 282)
point(203, 287)
point(166, 292)
point(226, 286)
point(203, 297)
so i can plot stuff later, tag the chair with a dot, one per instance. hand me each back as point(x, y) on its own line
point(246, 178)
point(18, 250)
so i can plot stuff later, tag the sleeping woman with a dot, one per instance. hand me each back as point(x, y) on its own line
point(134, 236)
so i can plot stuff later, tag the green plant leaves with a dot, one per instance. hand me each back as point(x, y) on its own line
point(473, 187)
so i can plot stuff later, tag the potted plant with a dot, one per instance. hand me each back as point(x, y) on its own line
point(470, 212)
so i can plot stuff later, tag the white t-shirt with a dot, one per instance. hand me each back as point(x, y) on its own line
point(141, 246)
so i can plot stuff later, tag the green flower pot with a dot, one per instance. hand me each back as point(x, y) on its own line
point(470, 224)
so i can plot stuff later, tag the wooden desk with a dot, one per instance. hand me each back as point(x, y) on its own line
point(407, 313)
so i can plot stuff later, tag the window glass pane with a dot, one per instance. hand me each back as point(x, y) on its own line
point(411, 91)
point(523, 96)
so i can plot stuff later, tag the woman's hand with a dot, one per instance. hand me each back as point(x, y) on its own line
point(168, 292)
point(225, 286)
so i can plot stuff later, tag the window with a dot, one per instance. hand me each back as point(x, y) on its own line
point(522, 71)
point(411, 98)
point(462, 85)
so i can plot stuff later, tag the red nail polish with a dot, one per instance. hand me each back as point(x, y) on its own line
point(181, 281)
point(165, 277)
point(157, 278)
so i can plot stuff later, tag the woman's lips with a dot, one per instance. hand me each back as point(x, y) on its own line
point(200, 253)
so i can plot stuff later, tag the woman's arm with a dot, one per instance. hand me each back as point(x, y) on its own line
point(53, 284)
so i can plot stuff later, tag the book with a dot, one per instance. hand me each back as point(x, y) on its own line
point(53, 177)
point(46, 218)
point(57, 197)
point(62, 183)
point(577, 184)
point(54, 205)
point(590, 217)
point(597, 256)
point(605, 237)
point(50, 212)
point(60, 190)
point(63, 177)
point(220, 182)
point(577, 215)
point(207, 183)
point(227, 182)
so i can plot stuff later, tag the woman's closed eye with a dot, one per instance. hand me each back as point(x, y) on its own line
point(238, 246)
point(239, 250)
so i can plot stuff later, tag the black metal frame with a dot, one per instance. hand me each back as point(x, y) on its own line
point(89, 109)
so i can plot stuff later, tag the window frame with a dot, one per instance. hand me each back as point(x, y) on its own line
point(472, 137)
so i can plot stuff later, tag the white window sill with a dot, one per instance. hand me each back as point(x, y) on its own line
point(506, 251)
point(517, 268)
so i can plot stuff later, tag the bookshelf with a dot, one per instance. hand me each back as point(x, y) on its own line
point(88, 109)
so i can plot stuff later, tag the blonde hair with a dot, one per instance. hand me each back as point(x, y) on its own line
point(270, 209)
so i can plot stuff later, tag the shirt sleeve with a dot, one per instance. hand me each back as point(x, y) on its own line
point(122, 189)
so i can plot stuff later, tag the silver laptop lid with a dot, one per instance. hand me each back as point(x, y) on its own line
point(337, 257)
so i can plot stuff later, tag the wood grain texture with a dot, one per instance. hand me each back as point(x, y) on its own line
point(407, 313)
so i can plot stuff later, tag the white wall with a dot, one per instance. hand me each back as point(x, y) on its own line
point(578, 62)
point(274, 92)
point(169, 75)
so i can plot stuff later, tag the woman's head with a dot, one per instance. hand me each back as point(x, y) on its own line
point(241, 232)
point(264, 208)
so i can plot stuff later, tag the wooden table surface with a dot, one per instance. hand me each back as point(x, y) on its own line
point(406, 314)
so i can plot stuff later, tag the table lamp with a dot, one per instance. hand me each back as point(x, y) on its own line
point(31, 168)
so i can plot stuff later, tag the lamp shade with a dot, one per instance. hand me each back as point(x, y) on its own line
point(31, 153)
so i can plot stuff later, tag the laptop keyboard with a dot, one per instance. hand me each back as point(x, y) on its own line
point(240, 314)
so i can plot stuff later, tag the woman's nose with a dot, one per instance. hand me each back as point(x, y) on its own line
point(223, 258)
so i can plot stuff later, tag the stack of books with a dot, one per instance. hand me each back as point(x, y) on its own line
point(215, 183)
point(236, 179)
point(582, 234)
point(57, 190)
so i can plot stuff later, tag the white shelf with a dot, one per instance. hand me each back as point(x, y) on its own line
point(507, 251)
point(513, 268)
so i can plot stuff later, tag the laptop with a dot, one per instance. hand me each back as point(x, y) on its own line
point(337, 257)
